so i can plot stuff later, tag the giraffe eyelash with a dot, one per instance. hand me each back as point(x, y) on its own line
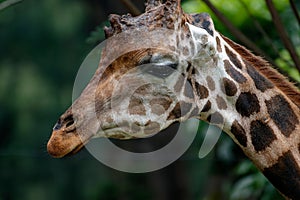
point(160, 70)
point(158, 65)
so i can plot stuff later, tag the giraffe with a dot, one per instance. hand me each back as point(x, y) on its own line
point(198, 73)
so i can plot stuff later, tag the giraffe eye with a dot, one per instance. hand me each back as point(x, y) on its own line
point(159, 66)
point(161, 70)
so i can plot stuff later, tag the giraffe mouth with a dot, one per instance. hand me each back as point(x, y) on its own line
point(67, 143)
point(76, 149)
point(108, 133)
point(63, 143)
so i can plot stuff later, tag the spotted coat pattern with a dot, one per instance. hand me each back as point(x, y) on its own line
point(216, 80)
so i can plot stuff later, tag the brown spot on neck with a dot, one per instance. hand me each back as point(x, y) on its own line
point(233, 58)
point(266, 70)
point(228, 87)
point(285, 175)
point(233, 73)
point(201, 90)
point(282, 114)
point(247, 104)
point(239, 133)
point(261, 135)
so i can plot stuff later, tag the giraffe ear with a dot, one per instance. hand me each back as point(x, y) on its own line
point(203, 41)
point(203, 20)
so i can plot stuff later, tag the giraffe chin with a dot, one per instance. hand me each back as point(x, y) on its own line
point(63, 144)
point(76, 149)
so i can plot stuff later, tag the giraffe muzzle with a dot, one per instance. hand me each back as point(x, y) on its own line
point(65, 138)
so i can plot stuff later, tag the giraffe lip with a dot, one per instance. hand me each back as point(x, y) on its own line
point(72, 144)
point(110, 133)
point(76, 149)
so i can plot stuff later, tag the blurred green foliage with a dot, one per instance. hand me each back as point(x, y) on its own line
point(42, 44)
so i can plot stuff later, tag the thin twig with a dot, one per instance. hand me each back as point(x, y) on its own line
point(237, 33)
point(283, 34)
point(131, 7)
point(264, 34)
point(294, 8)
point(8, 3)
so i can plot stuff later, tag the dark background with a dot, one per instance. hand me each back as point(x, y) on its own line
point(42, 44)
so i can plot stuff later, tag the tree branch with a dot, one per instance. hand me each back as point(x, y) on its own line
point(8, 3)
point(131, 7)
point(294, 8)
point(283, 34)
point(267, 39)
point(237, 33)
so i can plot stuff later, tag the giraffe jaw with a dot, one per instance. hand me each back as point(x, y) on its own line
point(62, 143)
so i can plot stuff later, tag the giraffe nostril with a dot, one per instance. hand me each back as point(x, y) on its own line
point(69, 123)
point(66, 122)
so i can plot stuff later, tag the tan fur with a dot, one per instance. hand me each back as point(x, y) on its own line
point(80, 122)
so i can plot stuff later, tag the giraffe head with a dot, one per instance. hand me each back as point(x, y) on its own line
point(142, 84)
point(166, 66)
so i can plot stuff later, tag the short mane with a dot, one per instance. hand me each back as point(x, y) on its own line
point(281, 82)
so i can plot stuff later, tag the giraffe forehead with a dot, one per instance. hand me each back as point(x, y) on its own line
point(167, 15)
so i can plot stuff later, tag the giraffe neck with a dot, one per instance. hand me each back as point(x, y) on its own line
point(254, 111)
